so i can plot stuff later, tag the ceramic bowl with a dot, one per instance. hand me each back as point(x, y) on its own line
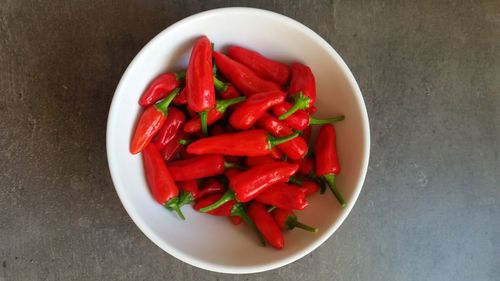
point(213, 243)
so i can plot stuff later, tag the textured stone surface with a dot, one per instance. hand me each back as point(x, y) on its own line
point(430, 75)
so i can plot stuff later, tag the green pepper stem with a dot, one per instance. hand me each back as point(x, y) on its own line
point(274, 141)
point(186, 141)
point(272, 208)
point(315, 121)
point(185, 198)
point(239, 211)
point(180, 75)
point(231, 165)
point(219, 85)
point(228, 196)
point(203, 119)
point(162, 106)
point(301, 102)
point(330, 179)
point(222, 105)
point(318, 180)
point(173, 205)
point(295, 180)
point(305, 227)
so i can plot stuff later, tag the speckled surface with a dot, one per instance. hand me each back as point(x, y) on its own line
point(430, 75)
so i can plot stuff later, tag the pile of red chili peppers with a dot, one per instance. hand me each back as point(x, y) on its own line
point(230, 134)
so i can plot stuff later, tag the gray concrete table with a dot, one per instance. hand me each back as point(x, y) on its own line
point(430, 75)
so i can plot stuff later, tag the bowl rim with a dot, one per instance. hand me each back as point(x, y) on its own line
point(112, 161)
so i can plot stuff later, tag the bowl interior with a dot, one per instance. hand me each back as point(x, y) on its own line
point(213, 243)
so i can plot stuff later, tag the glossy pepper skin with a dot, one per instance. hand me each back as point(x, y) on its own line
point(161, 87)
point(266, 225)
point(175, 120)
point(302, 89)
point(284, 196)
point(276, 154)
point(243, 77)
point(225, 90)
point(200, 80)
point(309, 187)
point(301, 119)
point(246, 143)
point(296, 148)
point(248, 184)
point(197, 167)
point(160, 181)
point(216, 113)
point(190, 186)
point(181, 98)
point(287, 220)
point(199, 77)
point(173, 147)
point(224, 210)
point(189, 191)
point(235, 220)
point(327, 161)
point(211, 186)
point(229, 209)
point(248, 112)
point(265, 68)
point(150, 123)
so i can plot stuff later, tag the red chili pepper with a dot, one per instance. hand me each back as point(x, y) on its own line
point(216, 113)
point(223, 210)
point(243, 77)
point(287, 220)
point(300, 120)
point(236, 220)
point(245, 186)
point(284, 196)
point(198, 167)
point(276, 154)
point(211, 186)
point(190, 186)
point(161, 87)
point(189, 191)
point(225, 90)
point(266, 225)
point(181, 98)
point(230, 93)
point(262, 66)
point(302, 88)
point(312, 110)
point(173, 147)
point(327, 161)
point(258, 160)
point(160, 180)
point(175, 120)
point(150, 123)
point(247, 113)
point(250, 183)
point(246, 143)
point(306, 134)
point(294, 149)
point(306, 166)
point(228, 209)
point(309, 187)
point(200, 80)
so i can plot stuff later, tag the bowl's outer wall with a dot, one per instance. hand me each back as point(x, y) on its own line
point(214, 243)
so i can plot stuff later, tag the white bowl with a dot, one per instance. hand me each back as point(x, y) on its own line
point(213, 243)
